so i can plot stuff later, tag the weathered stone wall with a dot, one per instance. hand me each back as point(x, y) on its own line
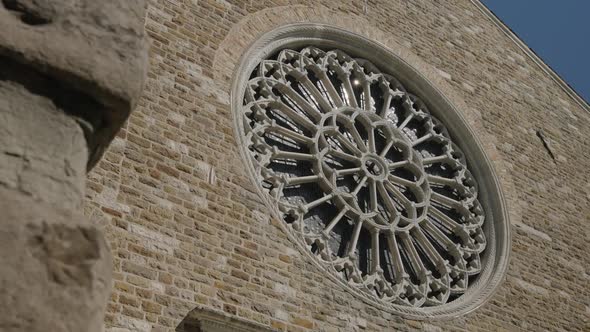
point(187, 229)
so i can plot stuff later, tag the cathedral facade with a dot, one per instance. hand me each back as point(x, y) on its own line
point(345, 166)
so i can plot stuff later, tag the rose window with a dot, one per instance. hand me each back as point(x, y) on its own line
point(364, 176)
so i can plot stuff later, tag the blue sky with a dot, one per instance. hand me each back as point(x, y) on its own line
point(558, 31)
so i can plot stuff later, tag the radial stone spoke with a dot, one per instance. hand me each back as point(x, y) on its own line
point(367, 99)
point(398, 164)
point(375, 263)
point(421, 139)
point(343, 155)
point(280, 130)
point(316, 94)
point(349, 91)
point(279, 154)
point(334, 221)
point(432, 254)
point(446, 221)
point(406, 121)
point(371, 140)
point(386, 149)
point(437, 159)
point(398, 266)
point(386, 106)
point(442, 180)
point(389, 203)
point(373, 195)
point(355, 237)
point(360, 185)
point(439, 236)
point(360, 142)
point(415, 261)
point(302, 179)
point(444, 200)
point(348, 144)
point(400, 181)
point(317, 202)
point(335, 96)
point(348, 171)
point(397, 194)
point(300, 101)
point(295, 116)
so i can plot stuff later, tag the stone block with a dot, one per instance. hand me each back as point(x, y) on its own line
point(90, 57)
point(52, 264)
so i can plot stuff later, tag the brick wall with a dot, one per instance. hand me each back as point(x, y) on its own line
point(187, 228)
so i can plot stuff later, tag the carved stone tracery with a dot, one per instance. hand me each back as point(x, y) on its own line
point(370, 181)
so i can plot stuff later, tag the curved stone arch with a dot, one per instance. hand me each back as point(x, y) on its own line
point(251, 27)
point(249, 31)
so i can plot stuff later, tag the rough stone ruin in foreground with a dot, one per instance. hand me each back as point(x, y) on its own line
point(70, 74)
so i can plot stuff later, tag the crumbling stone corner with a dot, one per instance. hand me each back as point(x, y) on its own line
point(71, 71)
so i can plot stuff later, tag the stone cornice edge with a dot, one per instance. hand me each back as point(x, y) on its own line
point(531, 54)
point(211, 320)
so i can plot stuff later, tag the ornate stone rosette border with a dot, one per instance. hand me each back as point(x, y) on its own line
point(388, 191)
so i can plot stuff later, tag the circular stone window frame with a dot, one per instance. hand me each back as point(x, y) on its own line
point(497, 226)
